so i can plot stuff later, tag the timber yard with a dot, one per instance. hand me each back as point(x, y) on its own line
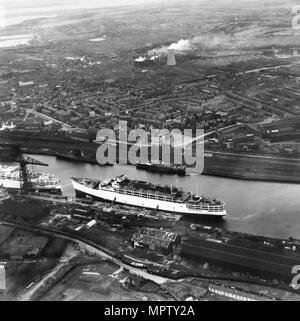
point(64, 237)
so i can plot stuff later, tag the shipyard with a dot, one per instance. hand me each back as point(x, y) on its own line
point(95, 207)
point(158, 244)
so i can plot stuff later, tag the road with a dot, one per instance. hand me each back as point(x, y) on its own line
point(29, 294)
point(90, 248)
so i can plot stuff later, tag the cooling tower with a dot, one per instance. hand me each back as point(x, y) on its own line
point(2, 278)
point(171, 58)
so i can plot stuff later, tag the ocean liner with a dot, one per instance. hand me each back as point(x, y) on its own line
point(143, 194)
point(161, 167)
point(10, 178)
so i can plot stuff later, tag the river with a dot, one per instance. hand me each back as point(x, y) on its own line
point(262, 208)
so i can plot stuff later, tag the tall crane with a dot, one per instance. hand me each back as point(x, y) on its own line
point(26, 183)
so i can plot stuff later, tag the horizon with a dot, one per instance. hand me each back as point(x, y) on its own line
point(103, 3)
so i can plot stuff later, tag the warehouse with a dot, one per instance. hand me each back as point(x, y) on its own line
point(155, 240)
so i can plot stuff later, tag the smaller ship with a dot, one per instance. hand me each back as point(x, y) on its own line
point(79, 158)
point(19, 177)
point(162, 167)
point(11, 179)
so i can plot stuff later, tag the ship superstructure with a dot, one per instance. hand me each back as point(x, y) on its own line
point(10, 178)
point(143, 194)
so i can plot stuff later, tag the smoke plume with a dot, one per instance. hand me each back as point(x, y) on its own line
point(203, 42)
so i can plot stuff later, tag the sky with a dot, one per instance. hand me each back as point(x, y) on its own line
point(11, 8)
point(94, 3)
point(99, 3)
point(15, 7)
point(78, 3)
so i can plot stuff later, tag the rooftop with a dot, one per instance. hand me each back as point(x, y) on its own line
point(154, 236)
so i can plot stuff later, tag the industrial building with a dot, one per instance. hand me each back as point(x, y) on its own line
point(83, 213)
point(155, 240)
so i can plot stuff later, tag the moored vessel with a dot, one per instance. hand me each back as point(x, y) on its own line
point(143, 194)
point(79, 158)
point(11, 179)
point(161, 167)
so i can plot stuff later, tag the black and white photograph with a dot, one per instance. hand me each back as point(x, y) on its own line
point(150, 153)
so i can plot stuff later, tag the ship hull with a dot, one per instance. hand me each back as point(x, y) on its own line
point(13, 185)
point(163, 170)
point(178, 208)
point(79, 159)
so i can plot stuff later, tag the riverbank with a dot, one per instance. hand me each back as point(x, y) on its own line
point(220, 164)
point(261, 208)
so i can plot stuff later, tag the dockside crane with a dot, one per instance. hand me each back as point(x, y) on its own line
point(26, 183)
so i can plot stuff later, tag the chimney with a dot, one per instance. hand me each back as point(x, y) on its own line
point(171, 58)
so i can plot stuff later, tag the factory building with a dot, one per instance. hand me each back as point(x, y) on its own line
point(146, 61)
point(83, 214)
point(155, 240)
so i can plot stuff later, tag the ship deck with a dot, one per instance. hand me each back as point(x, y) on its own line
point(163, 191)
point(91, 183)
point(148, 190)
